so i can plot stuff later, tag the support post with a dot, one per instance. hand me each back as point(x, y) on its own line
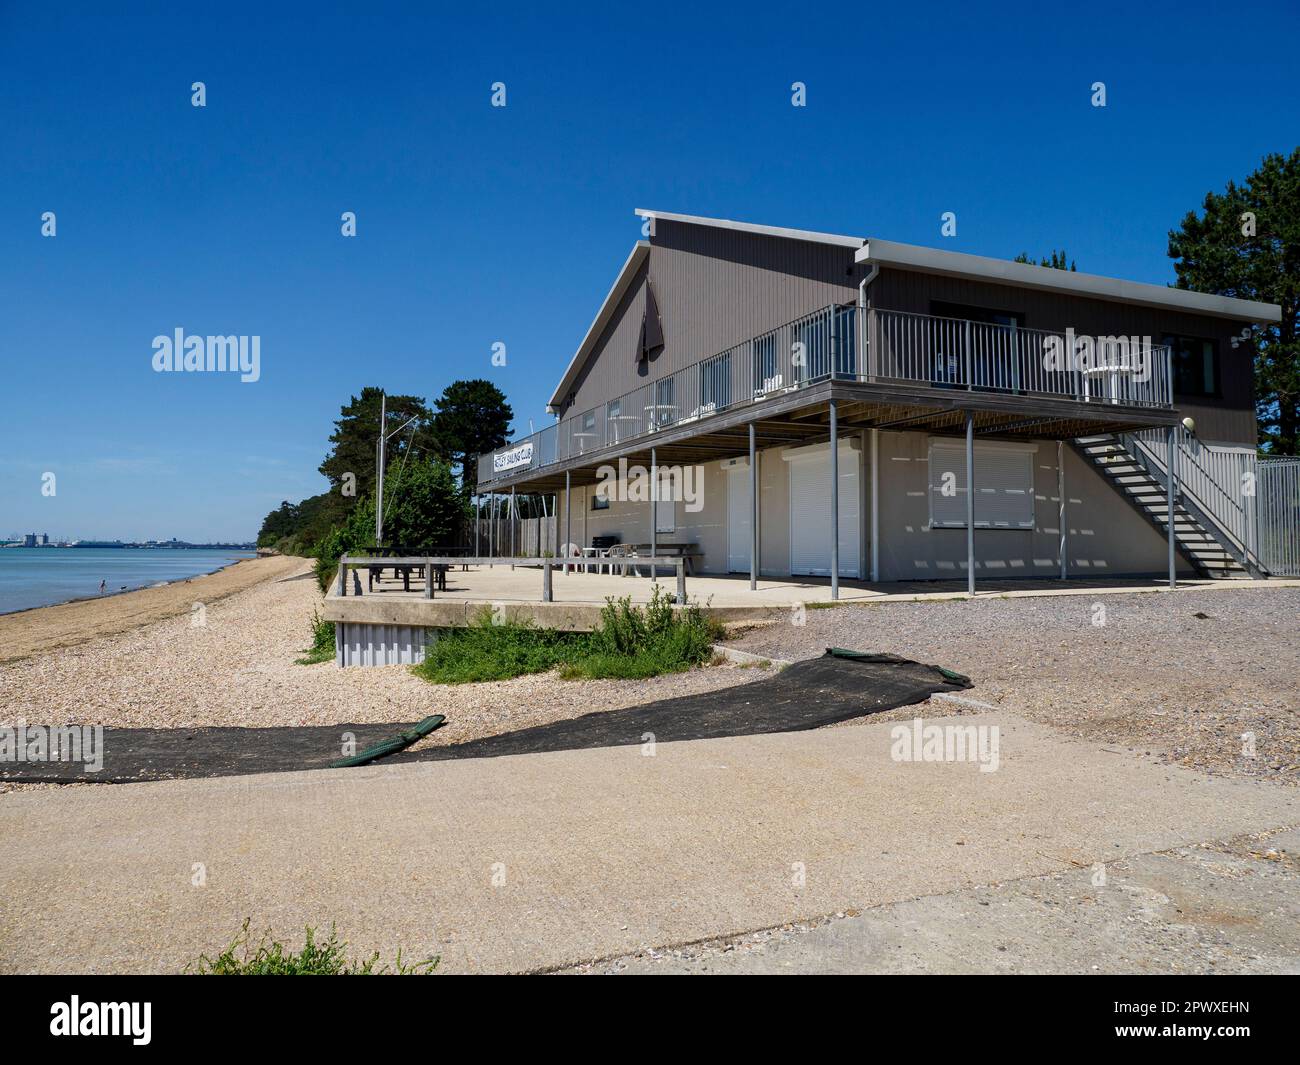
point(478, 518)
point(380, 450)
point(873, 342)
point(492, 526)
point(513, 552)
point(1060, 491)
point(970, 377)
point(568, 516)
point(753, 511)
point(654, 510)
point(1015, 357)
point(343, 578)
point(428, 580)
point(835, 502)
point(970, 503)
point(681, 582)
point(1169, 504)
point(875, 505)
point(547, 595)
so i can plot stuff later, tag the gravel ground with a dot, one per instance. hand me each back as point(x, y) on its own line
point(1181, 676)
point(1155, 676)
point(239, 669)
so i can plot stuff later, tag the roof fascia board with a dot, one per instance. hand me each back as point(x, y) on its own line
point(1025, 275)
point(749, 227)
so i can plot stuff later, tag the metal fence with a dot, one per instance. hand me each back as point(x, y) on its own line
point(1253, 500)
point(838, 343)
point(1220, 481)
point(991, 357)
point(425, 570)
point(1277, 494)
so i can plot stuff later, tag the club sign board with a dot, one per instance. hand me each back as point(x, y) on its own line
point(516, 456)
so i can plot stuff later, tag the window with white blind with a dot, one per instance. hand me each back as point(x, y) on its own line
point(1004, 485)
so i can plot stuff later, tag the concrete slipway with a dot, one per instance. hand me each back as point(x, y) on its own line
point(594, 853)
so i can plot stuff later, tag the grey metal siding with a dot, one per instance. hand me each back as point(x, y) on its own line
point(1230, 419)
point(715, 288)
point(380, 645)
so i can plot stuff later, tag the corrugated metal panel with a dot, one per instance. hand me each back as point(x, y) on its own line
point(1277, 493)
point(1227, 420)
point(380, 645)
point(715, 288)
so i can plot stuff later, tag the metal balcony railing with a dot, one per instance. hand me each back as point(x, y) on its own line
point(841, 343)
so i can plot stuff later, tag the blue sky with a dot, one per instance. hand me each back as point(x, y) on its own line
point(479, 224)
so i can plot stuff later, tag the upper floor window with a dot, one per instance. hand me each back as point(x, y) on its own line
point(1196, 365)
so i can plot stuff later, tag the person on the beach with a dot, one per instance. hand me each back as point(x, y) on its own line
point(102, 586)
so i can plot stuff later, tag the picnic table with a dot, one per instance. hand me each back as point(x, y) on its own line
point(404, 571)
point(630, 552)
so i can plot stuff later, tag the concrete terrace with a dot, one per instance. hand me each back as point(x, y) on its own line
point(578, 597)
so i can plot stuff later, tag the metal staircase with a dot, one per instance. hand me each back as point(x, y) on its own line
point(1139, 475)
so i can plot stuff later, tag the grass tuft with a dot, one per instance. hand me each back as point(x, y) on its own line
point(322, 642)
point(315, 959)
point(485, 650)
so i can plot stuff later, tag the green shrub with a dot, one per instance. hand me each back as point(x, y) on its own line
point(631, 642)
point(646, 641)
point(325, 959)
point(355, 533)
point(322, 647)
point(487, 651)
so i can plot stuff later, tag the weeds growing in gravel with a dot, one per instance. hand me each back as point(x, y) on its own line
point(487, 651)
point(630, 642)
point(322, 642)
point(645, 642)
point(315, 959)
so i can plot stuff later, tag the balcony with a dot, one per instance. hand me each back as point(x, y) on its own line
point(916, 351)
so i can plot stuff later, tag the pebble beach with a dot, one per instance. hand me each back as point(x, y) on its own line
point(238, 668)
point(1185, 677)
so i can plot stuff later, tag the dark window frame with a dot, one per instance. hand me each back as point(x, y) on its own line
point(966, 312)
point(1176, 340)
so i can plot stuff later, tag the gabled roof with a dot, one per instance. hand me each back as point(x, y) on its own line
point(640, 252)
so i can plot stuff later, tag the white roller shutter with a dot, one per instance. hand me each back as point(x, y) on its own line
point(810, 511)
point(739, 510)
point(1004, 485)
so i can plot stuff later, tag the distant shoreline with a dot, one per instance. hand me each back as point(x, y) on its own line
point(38, 629)
point(128, 589)
point(110, 593)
